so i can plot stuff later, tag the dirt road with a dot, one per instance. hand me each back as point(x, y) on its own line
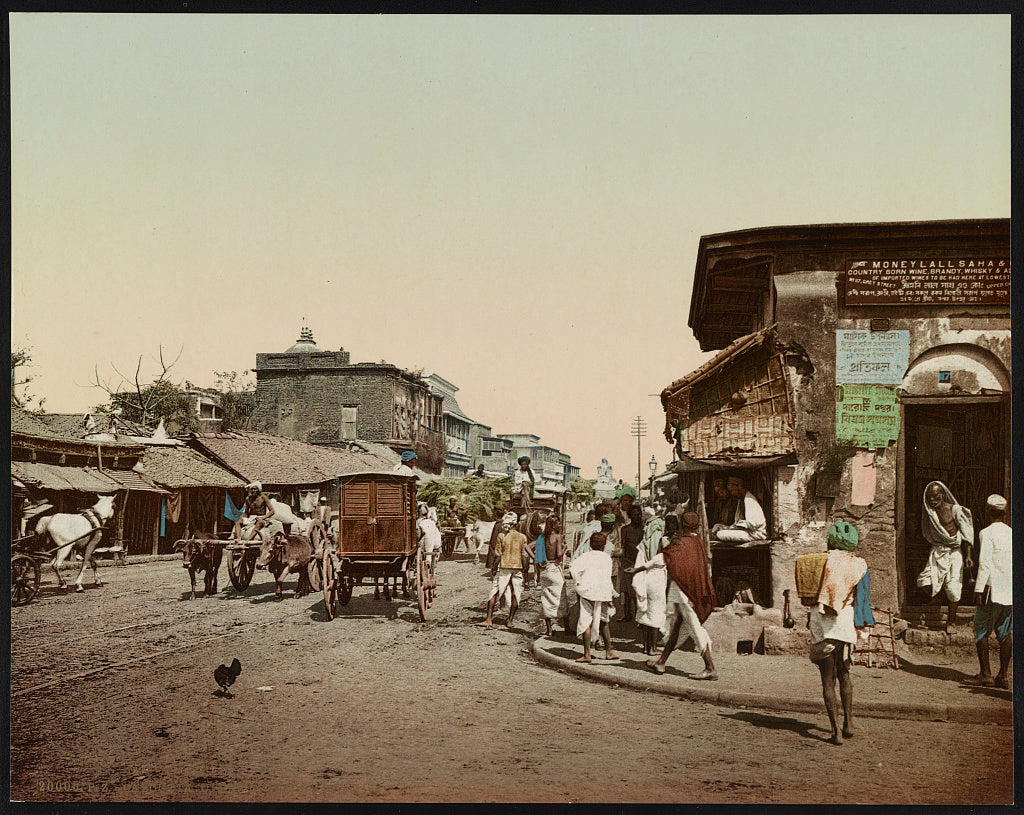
point(113, 700)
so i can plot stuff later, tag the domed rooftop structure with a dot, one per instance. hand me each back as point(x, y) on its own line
point(304, 344)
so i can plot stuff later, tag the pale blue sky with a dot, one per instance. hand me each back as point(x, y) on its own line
point(512, 202)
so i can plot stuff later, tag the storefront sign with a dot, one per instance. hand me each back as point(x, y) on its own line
point(956, 281)
point(872, 357)
point(867, 415)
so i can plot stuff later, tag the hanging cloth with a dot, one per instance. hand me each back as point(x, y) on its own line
point(163, 517)
point(308, 500)
point(231, 512)
point(174, 502)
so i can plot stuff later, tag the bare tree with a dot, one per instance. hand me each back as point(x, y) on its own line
point(142, 401)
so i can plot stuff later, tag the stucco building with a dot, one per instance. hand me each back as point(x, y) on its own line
point(321, 397)
point(857, 363)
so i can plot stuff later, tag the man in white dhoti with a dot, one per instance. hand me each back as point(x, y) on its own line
point(691, 597)
point(949, 528)
point(650, 580)
point(509, 551)
point(592, 574)
point(749, 523)
point(547, 552)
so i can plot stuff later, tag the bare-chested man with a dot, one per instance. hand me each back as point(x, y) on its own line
point(949, 528)
point(256, 504)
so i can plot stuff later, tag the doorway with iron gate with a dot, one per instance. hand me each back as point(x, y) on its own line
point(964, 443)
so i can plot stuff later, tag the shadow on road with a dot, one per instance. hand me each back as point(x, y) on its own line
point(779, 723)
point(932, 671)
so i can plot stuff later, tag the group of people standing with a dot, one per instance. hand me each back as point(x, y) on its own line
point(630, 564)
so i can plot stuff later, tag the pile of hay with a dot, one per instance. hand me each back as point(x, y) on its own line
point(477, 497)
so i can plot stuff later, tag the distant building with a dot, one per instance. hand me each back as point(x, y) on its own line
point(551, 466)
point(321, 397)
point(208, 407)
point(456, 425)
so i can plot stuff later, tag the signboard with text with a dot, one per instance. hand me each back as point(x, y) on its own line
point(867, 416)
point(871, 357)
point(927, 281)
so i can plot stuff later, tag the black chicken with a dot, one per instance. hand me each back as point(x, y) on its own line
point(226, 676)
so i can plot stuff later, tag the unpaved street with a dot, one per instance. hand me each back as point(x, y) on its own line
point(113, 700)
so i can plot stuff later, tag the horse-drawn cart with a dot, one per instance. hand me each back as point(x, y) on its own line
point(377, 542)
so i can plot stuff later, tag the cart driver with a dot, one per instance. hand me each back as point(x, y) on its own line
point(256, 505)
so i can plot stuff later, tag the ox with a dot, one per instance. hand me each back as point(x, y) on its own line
point(287, 554)
point(203, 553)
point(70, 533)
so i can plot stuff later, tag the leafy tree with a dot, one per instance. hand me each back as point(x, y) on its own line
point(238, 398)
point(21, 358)
point(582, 489)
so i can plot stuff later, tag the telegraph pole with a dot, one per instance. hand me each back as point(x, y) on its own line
point(639, 429)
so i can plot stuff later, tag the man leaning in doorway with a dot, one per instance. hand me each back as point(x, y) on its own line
point(748, 523)
point(949, 528)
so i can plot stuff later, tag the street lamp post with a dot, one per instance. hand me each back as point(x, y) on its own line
point(654, 468)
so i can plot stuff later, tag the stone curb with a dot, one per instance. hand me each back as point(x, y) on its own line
point(133, 560)
point(962, 714)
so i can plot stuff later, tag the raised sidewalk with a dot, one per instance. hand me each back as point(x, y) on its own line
point(928, 687)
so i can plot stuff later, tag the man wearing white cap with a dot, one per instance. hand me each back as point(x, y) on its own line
point(256, 504)
point(509, 550)
point(993, 593)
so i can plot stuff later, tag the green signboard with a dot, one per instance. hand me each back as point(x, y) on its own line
point(867, 415)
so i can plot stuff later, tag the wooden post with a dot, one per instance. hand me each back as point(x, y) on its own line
point(156, 525)
point(706, 531)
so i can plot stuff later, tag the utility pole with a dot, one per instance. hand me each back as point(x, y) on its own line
point(639, 429)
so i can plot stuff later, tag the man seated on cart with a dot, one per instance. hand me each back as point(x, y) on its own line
point(256, 505)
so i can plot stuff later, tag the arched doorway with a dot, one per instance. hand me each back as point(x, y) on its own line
point(956, 414)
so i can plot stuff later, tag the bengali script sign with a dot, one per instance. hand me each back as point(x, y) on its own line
point(867, 415)
point(929, 281)
point(871, 357)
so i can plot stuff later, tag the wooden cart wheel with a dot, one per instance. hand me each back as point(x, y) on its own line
point(448, 544)
point(241, 567)
point(329, 579)
point(344, 591)
point(315, 571)
point(24, 579)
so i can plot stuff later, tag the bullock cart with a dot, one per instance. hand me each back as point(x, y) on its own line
point(243, 555)
point(377, 542)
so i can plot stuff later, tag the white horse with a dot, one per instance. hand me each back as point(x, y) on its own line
point(70, 533)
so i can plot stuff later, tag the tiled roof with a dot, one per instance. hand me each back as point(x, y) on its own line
point(73, 425)
point(178, 467)
point(132, 480)
point(277, 460)
point(29, 424)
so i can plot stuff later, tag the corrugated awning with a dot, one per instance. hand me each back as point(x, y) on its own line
point(55, 477)
point(81, 479)
point(131, 480)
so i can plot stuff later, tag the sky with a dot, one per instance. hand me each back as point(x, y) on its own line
point(512, 202)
